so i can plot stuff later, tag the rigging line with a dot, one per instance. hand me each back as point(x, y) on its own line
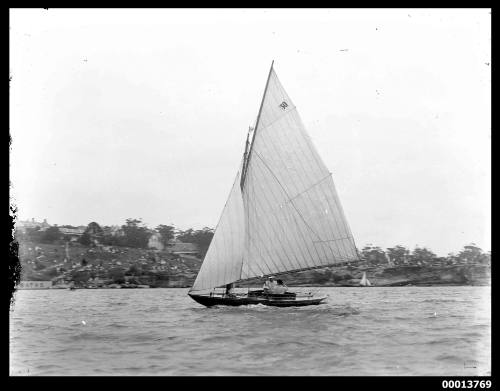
point(286, 193)
point(257, 123)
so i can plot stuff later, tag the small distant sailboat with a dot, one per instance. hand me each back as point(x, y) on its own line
point(282, 215)
point(364, 281)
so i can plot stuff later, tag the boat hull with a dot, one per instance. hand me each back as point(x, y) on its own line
point(210, 301)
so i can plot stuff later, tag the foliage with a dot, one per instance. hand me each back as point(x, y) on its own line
point(422, 254)
point(34, 234)
point(135, 234)
point(50, 235)
point(94, 229)
point(471, 253)
point(85, 239)
point(134, 270)
point(373, 254)
point(117, 275)
point(80, 275)
point(167, 233)
point(398, 254)
point(201, 238)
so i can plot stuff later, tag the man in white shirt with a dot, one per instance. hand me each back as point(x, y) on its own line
point(269, 285)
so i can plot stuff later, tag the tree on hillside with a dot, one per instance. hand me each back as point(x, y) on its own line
point(167, 233)
point(34, 234)
point(94, 230)
point(373, 254)
point(108, 238)
point(85, 239)
point(117, 275)
point(136, 234)
point(200, 237)
point(471, 254)
point(398, 254)
point(50, 235)
point(185, 236)
point(422, 254)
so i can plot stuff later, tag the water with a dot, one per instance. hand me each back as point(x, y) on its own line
point(360, 331)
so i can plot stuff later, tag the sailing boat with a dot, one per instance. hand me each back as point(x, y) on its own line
point(364, 281)
point(282, 215)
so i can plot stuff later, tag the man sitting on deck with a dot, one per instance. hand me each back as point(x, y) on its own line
point(274, 287)
point(280, 288)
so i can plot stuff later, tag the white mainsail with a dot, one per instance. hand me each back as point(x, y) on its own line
point(288, 208)
point(223, 260)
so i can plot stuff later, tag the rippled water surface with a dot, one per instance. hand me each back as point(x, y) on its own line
point(359, 331)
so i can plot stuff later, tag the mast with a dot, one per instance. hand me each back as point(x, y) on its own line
point(245, 164)
point(245, 155)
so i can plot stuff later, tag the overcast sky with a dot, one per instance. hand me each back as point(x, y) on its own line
point(143, 113)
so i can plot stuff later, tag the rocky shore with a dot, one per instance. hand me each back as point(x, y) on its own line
point(121, 267)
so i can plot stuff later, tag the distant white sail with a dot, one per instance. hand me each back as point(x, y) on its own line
point(364, 281)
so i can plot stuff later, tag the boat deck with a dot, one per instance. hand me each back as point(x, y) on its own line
point(284, 300)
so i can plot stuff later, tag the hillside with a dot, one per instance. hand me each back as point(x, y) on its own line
point(107, 265)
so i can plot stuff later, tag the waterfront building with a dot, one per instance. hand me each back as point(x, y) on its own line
point(34, 285)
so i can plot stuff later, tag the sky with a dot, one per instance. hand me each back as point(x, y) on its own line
point(143, 113)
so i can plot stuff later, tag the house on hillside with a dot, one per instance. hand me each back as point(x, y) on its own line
point(177, 248)
point(22, 225)
point(34, 285)
point(73, 233)
point(113, 230)
point(155, 241)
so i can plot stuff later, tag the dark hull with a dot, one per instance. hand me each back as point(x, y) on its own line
point(274, 301)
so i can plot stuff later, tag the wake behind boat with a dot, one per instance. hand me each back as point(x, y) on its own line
point(282, 215)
